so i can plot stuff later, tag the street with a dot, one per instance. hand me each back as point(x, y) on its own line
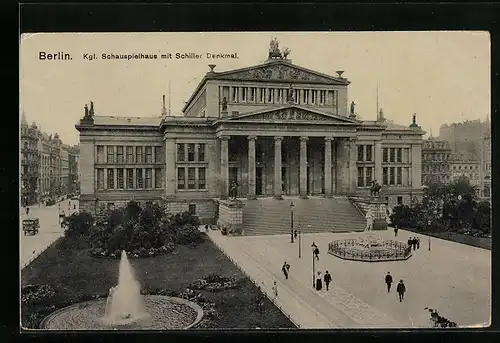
point(50, 230)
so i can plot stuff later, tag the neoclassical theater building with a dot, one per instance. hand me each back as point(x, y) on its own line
point(275, 130)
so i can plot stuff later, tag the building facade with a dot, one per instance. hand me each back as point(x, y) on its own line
point(270, 129)
point(469, 169)
point(73, 182)
point(485, 168)
point(436, 162)
point(30, 162)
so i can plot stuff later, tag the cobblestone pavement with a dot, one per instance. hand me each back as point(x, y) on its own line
point(451, 277)
point(50, 230)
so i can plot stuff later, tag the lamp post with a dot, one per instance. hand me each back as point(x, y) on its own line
point(292, 207)
point(300, 243)
point(313, 247)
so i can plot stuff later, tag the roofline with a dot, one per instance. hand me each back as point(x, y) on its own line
point(215, 75)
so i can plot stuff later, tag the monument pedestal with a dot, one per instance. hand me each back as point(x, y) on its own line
point(377, 205)
point(231, 216)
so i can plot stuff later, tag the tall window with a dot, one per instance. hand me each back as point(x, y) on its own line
point(360, 177)
point(149, 154)
point(360, 153)
point(119, 178)
point(201, 178)
point(191, 178)
point(149, 178)
point(201, 152)
point(391, 176)
point(100, 155)
point(393, 155)
point(111, 154)
point(130, 154)
point(138, 155)
point(369, 153)
point(385, 155)
point(368, 175)
point(130, 178)
point(180, 152)
point(385, 177)
point(399, 179)
point(119, 154)
point(399, 157)
point(158, 178)
point(244, 94)
point(191, 152)
point(111, 178)
point(100, 178)
point(139, 182)
point(181, 178)
point(192, 209)
point(157, 154)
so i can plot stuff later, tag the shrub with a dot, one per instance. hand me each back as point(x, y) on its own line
point(188, 234)
point(78, 224)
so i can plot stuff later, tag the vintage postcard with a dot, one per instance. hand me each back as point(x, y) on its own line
point(256, 180)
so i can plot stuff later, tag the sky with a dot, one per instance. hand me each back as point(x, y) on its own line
point(443, 77)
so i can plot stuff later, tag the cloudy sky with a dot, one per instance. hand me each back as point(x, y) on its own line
point(443, 77)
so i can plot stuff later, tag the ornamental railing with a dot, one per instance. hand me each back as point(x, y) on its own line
point(353, 249)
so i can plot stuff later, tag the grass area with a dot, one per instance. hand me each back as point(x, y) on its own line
point(478, 242)
point(75, 275)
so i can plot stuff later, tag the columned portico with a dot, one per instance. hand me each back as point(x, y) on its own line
point(328, 166)
point(251, 167)
point(303, 167)
point(224, 166)
point(277, 168)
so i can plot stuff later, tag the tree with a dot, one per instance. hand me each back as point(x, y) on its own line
point(78, 224)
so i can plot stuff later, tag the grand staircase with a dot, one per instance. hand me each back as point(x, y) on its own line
point(268, 216)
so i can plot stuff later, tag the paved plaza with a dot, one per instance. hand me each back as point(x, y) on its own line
point(50, 230)
point(452, 277)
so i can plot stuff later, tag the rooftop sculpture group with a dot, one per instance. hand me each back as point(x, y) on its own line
point(274, 50)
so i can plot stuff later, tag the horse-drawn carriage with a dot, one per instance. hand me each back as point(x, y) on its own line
point(31, 226)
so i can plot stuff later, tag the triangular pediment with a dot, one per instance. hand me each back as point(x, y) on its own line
point(291, 114)
point(280, 71)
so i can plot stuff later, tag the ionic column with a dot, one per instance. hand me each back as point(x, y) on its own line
point(328, 166)
point(277, 168)
point(303, 167)
point(378, 162)
point(224, 166)
point(251, 166)
point(352, 165)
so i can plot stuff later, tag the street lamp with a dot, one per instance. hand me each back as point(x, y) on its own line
point(313, 247)
point(300, 243)
point(292, 207)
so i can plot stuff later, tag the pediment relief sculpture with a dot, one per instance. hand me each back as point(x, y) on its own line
point(291, 114)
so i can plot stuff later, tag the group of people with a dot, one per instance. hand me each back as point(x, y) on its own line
point(327, 278)
point(414, 242)
point(401, 288)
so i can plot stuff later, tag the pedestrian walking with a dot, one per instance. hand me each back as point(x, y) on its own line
point(401, 290)
point(414, 243)
point(418, 242)
point(409, 242)
point(291, 236)
point(396, 231)
point(206, 228)
point(27, 210)
point(295, 234)
point(285, 269)
point(275, 290)
point(388, 281)
point(327, 278)
point(319, 282)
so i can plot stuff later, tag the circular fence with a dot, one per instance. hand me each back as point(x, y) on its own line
point(371, 249)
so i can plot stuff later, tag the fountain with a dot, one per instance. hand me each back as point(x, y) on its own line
point(125, 304)
point(125, 308)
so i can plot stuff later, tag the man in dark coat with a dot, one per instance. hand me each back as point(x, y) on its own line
point(27, 210)
point(285, 269)
point(418, 242)
point(388, 281)
point(414, 242)
point(409, 242)
point(316, 253)
point(327, 278)
point(401, 290)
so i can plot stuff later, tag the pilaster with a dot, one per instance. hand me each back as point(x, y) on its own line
point(277, 168)
point(251, 167)
point(303, 167)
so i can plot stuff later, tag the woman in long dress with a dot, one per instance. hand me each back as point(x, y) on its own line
point(319, 282)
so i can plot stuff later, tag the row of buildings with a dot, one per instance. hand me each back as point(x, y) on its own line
point(49, 168)
point(447, 159)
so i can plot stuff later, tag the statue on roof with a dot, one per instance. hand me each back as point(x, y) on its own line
point(352, 108)
point(286, 52)
point(91, 111)
point(224, 104)
point(86, 116)
point(274, 50)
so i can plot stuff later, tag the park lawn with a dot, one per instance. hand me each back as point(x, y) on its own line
point(75, 274)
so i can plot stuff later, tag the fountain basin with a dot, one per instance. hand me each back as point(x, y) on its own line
point(164, 313)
